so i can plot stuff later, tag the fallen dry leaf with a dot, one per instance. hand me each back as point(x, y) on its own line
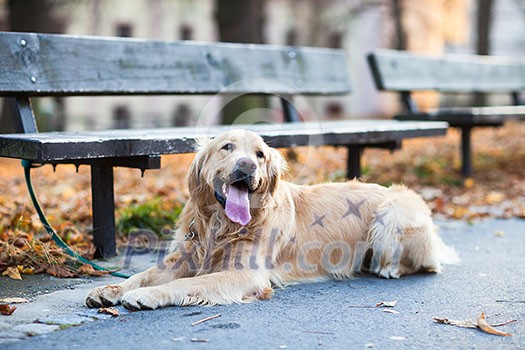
point(109, 311)
point(468, 183)
point(487, 328)
point(87, 269)
point(7, 310)
point(460, 212)
point(60, 271)
point(12, 272)
point(13, 300)
point(494, 197)
point(480, 323)
point(27, 270)
point(499, 234)
point(387, 303)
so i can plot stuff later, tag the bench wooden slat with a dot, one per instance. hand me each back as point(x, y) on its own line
point(480, 116)
point(57, 146)
point(45, 64)
point(505, 111)
point(404, 71)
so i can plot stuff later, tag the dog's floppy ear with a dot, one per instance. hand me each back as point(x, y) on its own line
point(196, 181)
point(194, 175)
point(276, 166)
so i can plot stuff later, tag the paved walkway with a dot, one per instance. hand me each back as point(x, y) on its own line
point(316, 316)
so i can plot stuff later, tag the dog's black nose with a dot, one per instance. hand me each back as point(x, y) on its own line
point(246, 166)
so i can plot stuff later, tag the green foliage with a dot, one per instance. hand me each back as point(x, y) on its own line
point(437, 170)
point(366, 170)
point(455, 179)
point(152, 215)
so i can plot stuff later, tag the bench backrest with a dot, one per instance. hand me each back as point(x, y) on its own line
point(58, 65)
point(404, 71)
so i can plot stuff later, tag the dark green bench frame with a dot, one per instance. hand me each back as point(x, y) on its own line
point(404, 72)
point(60, 65)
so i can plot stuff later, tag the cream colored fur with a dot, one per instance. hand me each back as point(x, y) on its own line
point(296, 234)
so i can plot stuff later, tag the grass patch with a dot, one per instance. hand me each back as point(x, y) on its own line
point(153, 215)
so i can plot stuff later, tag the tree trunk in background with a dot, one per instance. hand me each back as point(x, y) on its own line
point(483, 26)
point(33, 16)
point(398, 20)
point(241, 21)
point(427, 27)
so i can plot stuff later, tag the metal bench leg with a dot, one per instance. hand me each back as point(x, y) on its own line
point(354, 162)
point(466, 151)
point(103, 204)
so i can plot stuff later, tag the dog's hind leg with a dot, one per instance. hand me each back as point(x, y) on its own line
point(404, 239)
point(385, 240)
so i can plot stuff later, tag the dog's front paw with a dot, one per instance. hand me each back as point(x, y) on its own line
point(104, 296)
point(142, 299)
point(387, 271)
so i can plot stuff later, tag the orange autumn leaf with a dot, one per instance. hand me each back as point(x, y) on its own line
point(109, 311)
point(7, 310)
point(468, 183)
point(89, 270)
point(60, 271)
point(487, 328)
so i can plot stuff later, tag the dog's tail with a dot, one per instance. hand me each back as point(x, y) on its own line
point(447, 254)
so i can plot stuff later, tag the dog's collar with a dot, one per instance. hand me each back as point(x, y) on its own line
point(190, 236)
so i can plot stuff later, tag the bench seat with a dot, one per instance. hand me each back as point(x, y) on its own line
point(464, 116)
point(49, 147)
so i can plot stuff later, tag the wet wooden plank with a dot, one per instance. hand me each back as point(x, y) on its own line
point(405, 71)
point(56, 146)
point(45, 64)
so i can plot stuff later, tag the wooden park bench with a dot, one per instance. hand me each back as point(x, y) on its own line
point(59, 65)
point(405, 72)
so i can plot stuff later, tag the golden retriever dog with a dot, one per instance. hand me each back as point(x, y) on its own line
point(244, 230)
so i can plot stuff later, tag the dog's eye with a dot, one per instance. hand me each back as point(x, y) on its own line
point(228, 147)
point(260, 154)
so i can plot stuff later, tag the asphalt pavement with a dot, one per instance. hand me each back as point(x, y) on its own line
point(329, 315)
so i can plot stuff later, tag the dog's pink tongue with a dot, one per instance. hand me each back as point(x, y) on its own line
point(238, 206)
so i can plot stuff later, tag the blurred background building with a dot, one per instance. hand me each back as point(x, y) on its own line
point(359, 26)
